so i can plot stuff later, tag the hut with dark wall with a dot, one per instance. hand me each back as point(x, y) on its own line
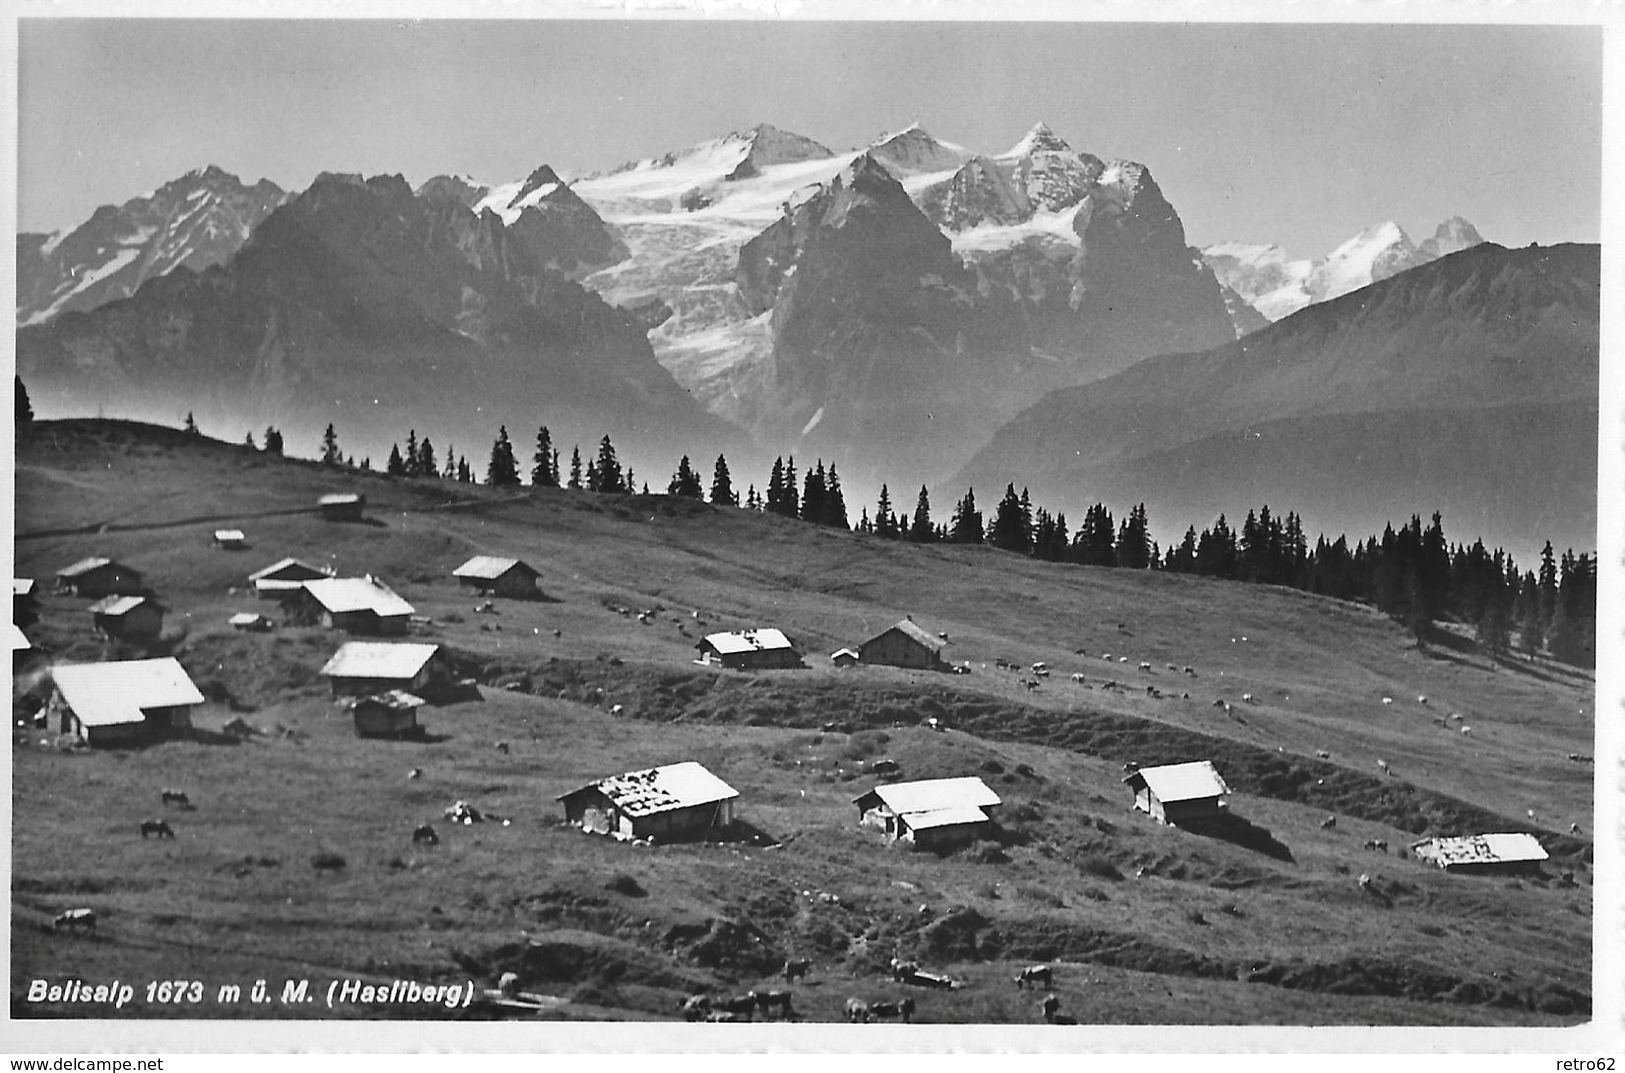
point(122, 702)
point(1495, 854)
point(930, 813)
point(97, 577)
point(1179, 793)
point(352, 604)
point(342, 507)
point(128, 618)
point(904, 645)
point(284, 577)
point(677, 802)
point(386, 715)
point(493, 575)
point(749, 650)
point(360, 668)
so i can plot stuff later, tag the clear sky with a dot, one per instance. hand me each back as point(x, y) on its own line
point(1296, 134)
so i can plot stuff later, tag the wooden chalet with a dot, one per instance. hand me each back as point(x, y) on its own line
point(904, 645)
point(1179, 793)
point(677, 802)
point(122, 702)
point(493, 575)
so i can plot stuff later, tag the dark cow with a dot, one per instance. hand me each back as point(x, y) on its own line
point(75, 918)
point(743, 1005)
point(903, 970)
point(1329, 821)
point(857, 1010)
point(726, 1017)
point(425, 833)
point(160, 828)
point(695, 1007)
point(794, 967)
point(1033, 975)
point(768, 1001)
point(885, 1010)
point(1051, 1005)
point(176, 797)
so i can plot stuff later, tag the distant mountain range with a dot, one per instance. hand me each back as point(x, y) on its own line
point(914, 310)
point(1469, 385)
point(1276, 286)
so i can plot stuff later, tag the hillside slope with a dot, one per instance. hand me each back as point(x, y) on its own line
point(1266, 927)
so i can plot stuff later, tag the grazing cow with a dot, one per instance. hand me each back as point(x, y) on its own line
point(508, 984)
point(857, 1010)
point(1220, 704)
point(74, 919)
point(1329, 821)
point(695, 1007)
point(1191, 671)
point(1107, 656)
point(503, 748)
point(1247, 698)
point(1382, 766)
point(743, 1005)
point(1145, 667)
point(1122, 659)
point(415, 773)
point(1378, 844)
point(1455, 717)
point(156, 827)
point(902, 970)
point(884, 1010)
point(175, 797)
point(1530, 813)
point(768, 1001)
point(1033, 975)
point(1077, 677)
point(1467, 730)
point(425, 833)
point(1323, 754)
point(616, 709)
point(1173, 667)
point(1050, 1006)
point(796, 967)
point(1388, 700)
point(1574, 828)
point(1421, 699)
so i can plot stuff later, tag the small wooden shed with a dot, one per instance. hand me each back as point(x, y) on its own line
point(128, 618)
point(844, 657)
point(386, 715)
point(97, 577)
point(342, 507)
point(352, 604)
point(359, 668)
point(1507, 854)
point(230, 539)
point(494, 575)
point(284, 577)
point(676, 802)
point(904, 645)
point(123, 702)
point(743, 650)
point(1179, 793)
point(930, 813)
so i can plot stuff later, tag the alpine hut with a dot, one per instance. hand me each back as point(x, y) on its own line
point(844, 657)
point(285, 577)
point(230, 539)
point(98, 577)
point(746, 650)
point(494, 575)
point(251, 621)
point(342, 507)
point(663, 804)
point(128, 618)
point(931, 813)
point(1178, 793)
point(121, 702)
point(362, 667)
point(352, 604)
point(393, 714)
point(1497, 853)
point(904, 645)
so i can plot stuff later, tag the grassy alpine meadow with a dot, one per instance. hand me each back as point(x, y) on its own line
point(296, 862)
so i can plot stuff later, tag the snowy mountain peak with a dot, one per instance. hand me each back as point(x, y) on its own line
point(912, 151)
point(767, 145)
point(1452, 236)
point(1040, 139)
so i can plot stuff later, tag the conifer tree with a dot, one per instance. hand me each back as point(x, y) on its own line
point(411, 462)
point(396, 466)
point(248, 441)
point(592, 476)
point(610, 476)
point(543, 471)
point(834, 501)
point(864, 525)
point(575, 468)
point(722, 487)
point(191, 425)
point(464, 473)
point(792, 497)
point(1010, 530)
point(685, 482)
point(966, 525)
point(922, 531)
point(450, 472)
point(885, 520)
point(503, 469)
point(273, 440)
point(629, 481)
point(753, 502)
point(426, 459)
point(330, 447)
point(812, 496)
